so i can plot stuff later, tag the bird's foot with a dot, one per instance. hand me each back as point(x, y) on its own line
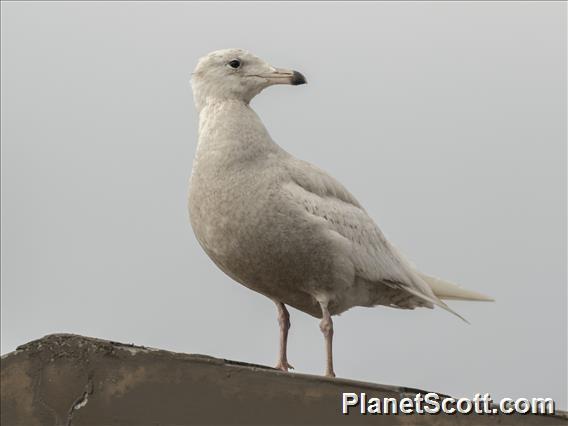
point(330, 373)
point(284, 366)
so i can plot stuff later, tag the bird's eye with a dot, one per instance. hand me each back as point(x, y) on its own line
point(235, 63)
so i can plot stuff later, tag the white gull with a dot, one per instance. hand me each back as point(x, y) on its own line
point(281, 226)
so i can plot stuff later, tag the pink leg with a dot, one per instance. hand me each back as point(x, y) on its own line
point(284, 321)
point(326, 327)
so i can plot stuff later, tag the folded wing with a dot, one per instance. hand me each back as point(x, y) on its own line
point(374, 258)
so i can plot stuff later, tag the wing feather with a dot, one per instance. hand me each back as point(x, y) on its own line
point(374, 258)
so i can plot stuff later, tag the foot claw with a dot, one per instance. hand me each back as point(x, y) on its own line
point(329, 374)
point(284, 366)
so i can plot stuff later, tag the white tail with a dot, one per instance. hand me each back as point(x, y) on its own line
point(446, 290)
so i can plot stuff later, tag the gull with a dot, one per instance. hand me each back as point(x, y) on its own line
point(281, 226)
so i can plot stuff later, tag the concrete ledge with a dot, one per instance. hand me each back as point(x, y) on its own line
point(65, 379)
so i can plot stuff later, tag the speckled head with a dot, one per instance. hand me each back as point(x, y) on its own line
point(235, 74)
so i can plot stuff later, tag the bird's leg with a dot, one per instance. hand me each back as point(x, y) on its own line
point(326, 327)
point(284, 321)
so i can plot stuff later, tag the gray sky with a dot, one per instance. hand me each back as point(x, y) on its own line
point(446, 120)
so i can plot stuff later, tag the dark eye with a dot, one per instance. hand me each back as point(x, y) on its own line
point(235, 63)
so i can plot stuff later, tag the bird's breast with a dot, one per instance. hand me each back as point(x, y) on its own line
point(226, 204)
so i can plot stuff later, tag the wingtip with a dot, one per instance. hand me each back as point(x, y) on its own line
point(450, 310)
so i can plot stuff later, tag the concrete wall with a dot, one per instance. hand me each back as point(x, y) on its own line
point(74, 380)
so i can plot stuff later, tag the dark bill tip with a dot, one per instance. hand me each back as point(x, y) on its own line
point(298, 78)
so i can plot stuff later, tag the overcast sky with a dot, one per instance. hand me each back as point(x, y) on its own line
point(446, 120)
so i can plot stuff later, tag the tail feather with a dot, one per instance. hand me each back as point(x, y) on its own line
point(449, 291)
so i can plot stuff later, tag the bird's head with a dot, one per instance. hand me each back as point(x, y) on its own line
point(235, 74)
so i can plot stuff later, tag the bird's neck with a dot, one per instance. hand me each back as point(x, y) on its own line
point(232, 129)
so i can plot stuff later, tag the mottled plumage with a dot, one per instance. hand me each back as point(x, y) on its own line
point(279, 225)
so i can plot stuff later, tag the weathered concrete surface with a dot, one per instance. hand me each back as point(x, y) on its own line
point(66, 380)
